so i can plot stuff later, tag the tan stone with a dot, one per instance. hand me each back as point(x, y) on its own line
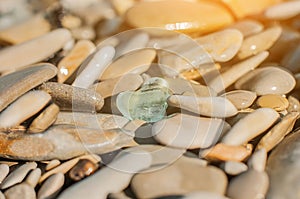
point(52, 164)
point(51, 186)
point(241, 99)
point(283, 10)
point(276, 102)
point(34, 177)
point(248, 27)
point(234, 168)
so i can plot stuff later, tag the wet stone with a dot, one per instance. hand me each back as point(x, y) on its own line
point(82, 169)
point(241, 99)
point(276, 102)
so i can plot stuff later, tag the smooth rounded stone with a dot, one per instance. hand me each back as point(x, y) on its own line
point(23, 108)
point(276, 102)
point(44, 120)
point(33, 51)
point(248, 27)
point(18, 175)
point(71, 62)
point(222, 45)
point(241, 99)
point(249, 185)
point(259, 120)
point(52, 164)
point(284, 10)
point(181, 177)
point(283, 168)
point(82, 169)
point(51, 186)
point(258, 160)
point(203, 195)
point(234, 168)
point(278, 132)
point(90, 120)
point(194, 17)
point(72, 98)
point(206, 106)
point(96, 67)
point(222, 152)
point(34, 177)
point(291, 59)
point(110, 87)
point(22, 190)
point(259, 42)
point(112, 179)
point(188, 132)
point(4, 170)
point(267, 80)
point(294, 104)
point(136, 62)
point(16, 84)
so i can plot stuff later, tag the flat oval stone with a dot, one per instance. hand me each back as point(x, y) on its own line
point(259, 120)
point(16, 84)
point(258, 160)
point(4, 170)
point(34, 177)
point(52, 164)
point(196, 17)
point(188, 132)
point(21, 190)
point(51, 186)
point(267, 80)
point(248, 27)
point(284, 10)
point(241, 99)
point(276, 102)
point(33, 51)
point(234, 168)
point(23, 108)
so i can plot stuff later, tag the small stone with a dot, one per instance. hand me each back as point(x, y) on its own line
point(284, 10)
point(248, 27)
point(34, 177)
point(52, 164)
point(234, 168)
point(259, 120)
point(4, 170)
point(294, 104)
point(22, 190)
point(241, 99)
point(82, 169)
point(2, 196)
point(84, 33)
point(258, 160)
point(51, 186)
point(276, 102)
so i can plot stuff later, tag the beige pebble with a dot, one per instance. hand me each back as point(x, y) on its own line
point(259, 120)
point(70, 63)
point(18, 175)
point(267, 80)
point(52, 164)
point(16, 84)
point(83, 33)
point(241, 99)
point(34, 177)
point(110, 87)
point(276, 102)
point(186, 131)
point(294, 104)
point(278, 132)
point(234, 168)
point(258, 160)
point(249, 185)
point(34, 50)
point(22, 190)
point(82, 169)
point(23, 108)
point(51, 186)
point(222, 45)
point(194, 16)
point(9, 163)
point(283, 10)
point(248, 27)
point(44, 120)
point(4, 170)
point(206, 106)
point(259, 42)
point(222, 152)
point(136, 62)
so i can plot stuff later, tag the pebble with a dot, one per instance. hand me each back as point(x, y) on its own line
point(36, 50)
point(294, 104)
point(4, 170)
point(283, 169)
point(259, 42)
point(51, 186)
point(52, 164)
point(194, 16)
point(259, 120)
point(24, 190)
point(44, 120)
point(113, 86)
point(96, 67)
point(278, 132)
point(186, 131)
point(206, 106)
point(135, 62)
point(267, 80)
point(258, 160)
point(248, 27)
point(23, 108)
point(249, 185)
point(181, 177)
point(284, 10)
point(112, 179)
point(82, 169)
point(16, 84)
point(68, 97)
point(18, 175)
point(276, 102)
point(222, 152)
point(2, 196)
point(83, 33)
point(26, 30)
point(71, 62)
point(241, 99)
point(234, 168)
point(34, 177)
point(222, 45)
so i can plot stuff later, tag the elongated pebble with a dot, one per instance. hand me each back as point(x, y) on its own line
point(33, 51)
point(276, 102)
point(234, 168)
point(259, 121)
point(23, 108)
point(22, 190)
point(34, 177)
point(207, 106)
point(258, 160)
point(241, 99)
point(248, 27)
point(284, 10)
point(113, 178)
point(18, 175)
point(16, 84)
point(95, 67)
point(70, 63)
point(52, 164)
point(51, 186)
point(294, 104)
point(4, 170)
